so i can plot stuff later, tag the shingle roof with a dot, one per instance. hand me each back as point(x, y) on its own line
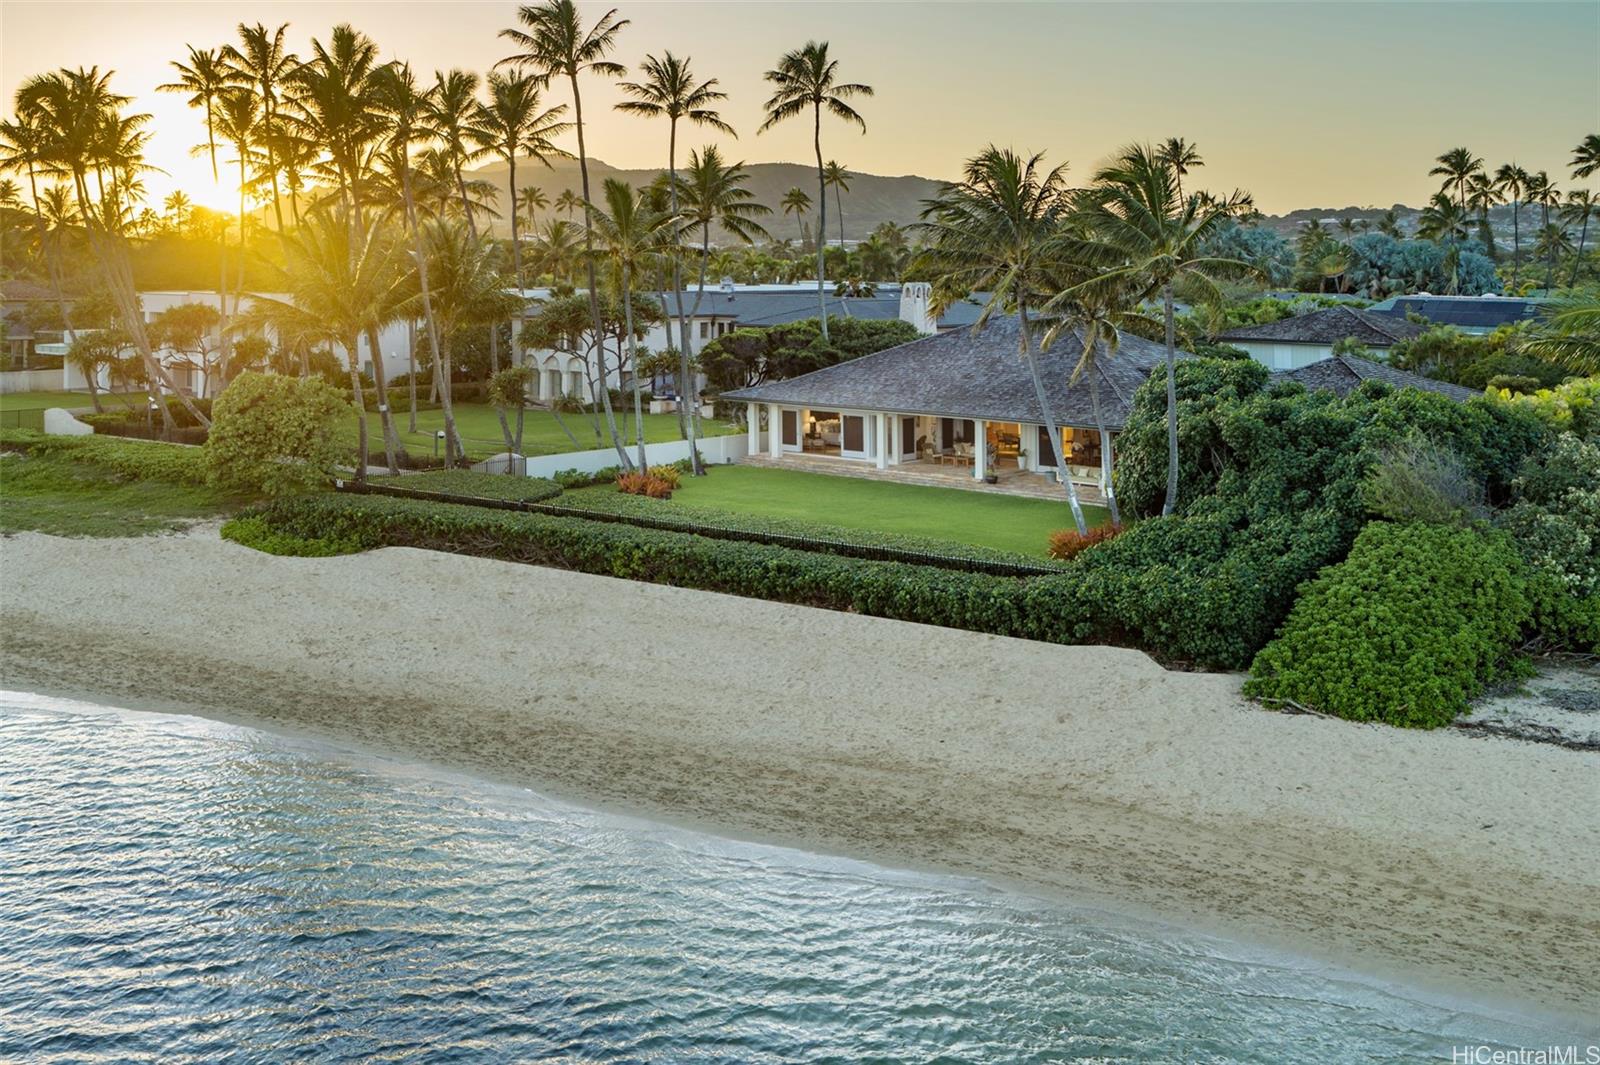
point(1343, 374)
point(763, 308)
point(19, 290)
point(959, 374)
point(1463, 312)
point(1329, 326)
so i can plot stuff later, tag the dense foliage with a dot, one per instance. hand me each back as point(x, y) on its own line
point(134, 459)
point(274, 434)
point(1475, 361)
point(474, 484)
point(1415, 622)
point(1555, 523)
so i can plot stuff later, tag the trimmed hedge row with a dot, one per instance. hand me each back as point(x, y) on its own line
point(474, 484)
point(1040, 608)
point(633, 506)
point(1407, 629)
point(140, 460)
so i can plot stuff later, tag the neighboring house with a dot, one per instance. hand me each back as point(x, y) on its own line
point(18, 300)
point(1470, 314)
point(1343, 374)
point(727, 307)
point(952, 399)
point(1299, 341)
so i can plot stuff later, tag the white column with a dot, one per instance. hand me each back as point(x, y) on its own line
point(774, 431)
point(883, 440)
point(980, 449)
point(752, 415)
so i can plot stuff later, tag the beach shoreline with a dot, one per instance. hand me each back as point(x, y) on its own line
point(1465, 866)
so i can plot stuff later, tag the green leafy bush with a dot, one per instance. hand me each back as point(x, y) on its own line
point(1418, 480)
point(135, 459)
point(1555, 523)
point(475, 484)
point(254, 531)
point(274, 433)
point(1413, 624)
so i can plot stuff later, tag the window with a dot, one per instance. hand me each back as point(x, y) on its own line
point(705, 330)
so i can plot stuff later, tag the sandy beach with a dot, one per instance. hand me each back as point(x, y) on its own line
point(1459, 865)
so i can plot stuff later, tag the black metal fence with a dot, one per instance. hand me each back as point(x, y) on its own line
point(845, 548)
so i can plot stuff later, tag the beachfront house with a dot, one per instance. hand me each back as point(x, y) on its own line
point(953, 405)
point(1298, 341)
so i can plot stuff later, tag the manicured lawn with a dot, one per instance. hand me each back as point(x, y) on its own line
point(53, 495)
point(42, 400)
point(1005, 523)
point(541, 433)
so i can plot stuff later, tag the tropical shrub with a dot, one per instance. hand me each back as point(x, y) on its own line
point(644, 484)
point(1066, 544)
point(1573, 406)
point(670, 474)
point(134, 459)
point(1555, 524)
point(1413, 624)
point(254, 531)
point(274, 433)
point(1419, 480)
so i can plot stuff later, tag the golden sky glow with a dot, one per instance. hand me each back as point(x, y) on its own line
point(1304, 104)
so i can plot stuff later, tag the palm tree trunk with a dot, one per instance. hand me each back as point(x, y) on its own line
point(1516, 241)
point(838, 202)
point(1577, 256)
point(353, 343)
point(1025, 336)
point(50, 252)
point(411, 372)
point(633, 359)
point(822, 220)
point(455, 451)
point(440, 385)
point(391, 438)
point(1105, 441)
point(516, 249)
point(684, 385)
point(589, 267)
point(1170, 504)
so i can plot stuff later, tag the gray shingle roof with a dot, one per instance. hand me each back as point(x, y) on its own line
point(962, 375)
point(1329, 326)
point(1343, 374)
point(756, 308)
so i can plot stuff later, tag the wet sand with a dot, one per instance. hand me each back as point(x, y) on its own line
point(1452, 864)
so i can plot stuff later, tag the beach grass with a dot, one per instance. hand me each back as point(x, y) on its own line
point(985, 519)
point(51, 495)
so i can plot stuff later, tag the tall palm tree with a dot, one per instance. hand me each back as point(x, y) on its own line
point(1181, 156)
point(237, 116)
point(797, 203)
point(836, 177)
point(1443, 220)
point(1512, 181)
point(807, 80)
point(1554, 241)
point(999, 231)
point(1586, 157)
point(405, 106)
point(556, 45)
point(530, 201)
point(514, 123)
point(1580, 207)
point(261, 61)
point(1569, 334)
point(452, 107)
point(1482, 196)
point(1457, 166)
point(1542, 191)
point(1389, 224)
point(631, 234)
point(1153, 242)
point(23, 150)
point(569, 202)
point(670, 90)
point(341, 280)
point(712, 193)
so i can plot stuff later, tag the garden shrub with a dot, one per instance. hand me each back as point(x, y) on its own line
point(1066, 544)
point(254, 531)
point(644, 484)
point(134, 459)
point(1555, 523)
point(1413, 624)
point(475, 484)
point(670, 474)
point(1419, 480)
point(274, 433)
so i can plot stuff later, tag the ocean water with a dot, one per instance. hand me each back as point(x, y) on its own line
point(174, 890)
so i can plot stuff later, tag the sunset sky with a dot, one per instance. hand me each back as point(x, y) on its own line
point(1304, 104)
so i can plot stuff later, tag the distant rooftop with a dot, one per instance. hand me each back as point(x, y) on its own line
point(1464, 312)
point(1329, 326)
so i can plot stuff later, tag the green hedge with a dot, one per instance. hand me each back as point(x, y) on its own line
point(475, 484)
point(1412, 625)
point(138, 459)
point(613, 502)
point(1002, 605)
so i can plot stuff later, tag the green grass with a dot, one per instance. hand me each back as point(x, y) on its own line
point(1003, 523)
point(42, 400)
point(54, 495)
point(541, 434)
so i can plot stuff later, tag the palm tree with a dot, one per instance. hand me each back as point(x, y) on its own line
point(797, 203)
point(1586, 157)
point(557, 249)
point(23, 151)
point(557, 45)
point(631, 233)
point(1569, 335)
point(835, 176)
point(1580, 207)
point(262, 62)
point(1181, 156)
point(1554, 241)
point(807, 80)
point(452, 106)
point(669, 90)
point(1511, 180)
point(1153, 242)
point(1457, 167)
point(514, 123)
point(405, 107)
point(999, 231)
point(530, 201)
point(569, 202)
point(1389, 225)
point(1482, 196)
point(1542, 191)
point(341, 280)
point(1443, 220)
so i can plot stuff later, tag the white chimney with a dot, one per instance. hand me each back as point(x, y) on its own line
point(915, 297)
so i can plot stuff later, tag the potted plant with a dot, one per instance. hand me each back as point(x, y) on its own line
point(991, 455)
point(1022, 458)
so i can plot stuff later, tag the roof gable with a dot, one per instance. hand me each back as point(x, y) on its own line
point(1329, 326)
point(1343, 374)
